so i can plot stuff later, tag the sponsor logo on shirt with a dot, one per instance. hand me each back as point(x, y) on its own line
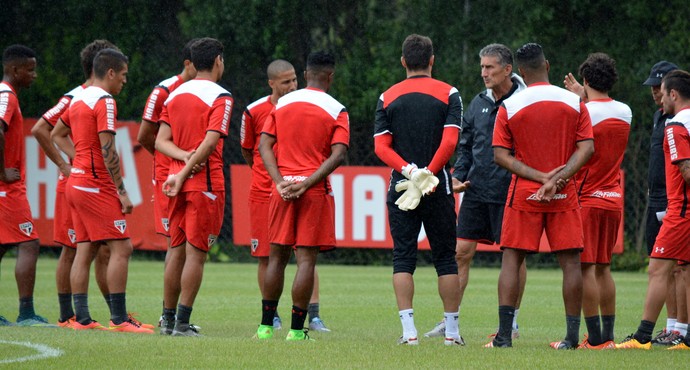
point(606, 194)
point(72, 235)
point(4, 101)
point(57, 109)
point(555, 196)
point(294, 178)
point(152, 104)
point(226, 115)
point(27, 228)
point(120, 225)
point(255, 244)
point(659, 250)
point(77, 171)
point(212, 239)
point(671, 143)
point(110, 113)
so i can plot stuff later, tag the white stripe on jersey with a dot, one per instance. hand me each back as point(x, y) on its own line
point(602, 110)
point(206, 90)
point(169, 81)
point(682, 117)
point(318, 98)
point(90, 96)
point(4, 101)
point(257, 102)
point(540, 93)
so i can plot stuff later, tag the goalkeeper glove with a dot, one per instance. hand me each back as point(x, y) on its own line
point(423, 178)
point(409, 200)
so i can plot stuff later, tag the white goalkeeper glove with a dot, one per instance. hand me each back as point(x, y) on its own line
point(423, 178)
point(409, 200)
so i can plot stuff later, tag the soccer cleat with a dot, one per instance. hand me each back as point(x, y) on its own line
point(672, 338)
point(562, 345)
point(131, 318)
point(514, 334)
point(5, 322)
point(277, 323)
point(298, 335)
point(93, 325)
point(663, 333)
point(438, 331)
point(185, 330)
point(166, 326)
point(129, 327)
point(35, 321)
point(631, 343)
point(67, 323)
point(493, 344)
point(412, 341)
point(264, 332)
point(459, 341)
point(679, 346)
point(606, 345)
point(316, 324)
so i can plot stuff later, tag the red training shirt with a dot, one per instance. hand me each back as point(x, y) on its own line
point(253, 120)
point(11, 114)
point(676, 149)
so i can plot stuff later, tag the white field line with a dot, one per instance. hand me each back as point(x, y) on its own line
point(43, 352)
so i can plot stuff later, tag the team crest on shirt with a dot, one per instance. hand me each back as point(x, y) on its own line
point(255, 244)
point(121, 225)
point(166, 223)
point(212, 239)
point(27, 228)
point(72, 235)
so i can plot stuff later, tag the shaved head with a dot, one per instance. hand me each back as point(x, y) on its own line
point(277, 67)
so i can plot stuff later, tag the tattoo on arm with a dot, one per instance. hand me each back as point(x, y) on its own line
point(684, 167)
point(112, 163)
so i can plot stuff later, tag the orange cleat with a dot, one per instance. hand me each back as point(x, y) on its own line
point(129, 327)
point(131, 318)
point(93, 325)
point(606, 345)
point(67, 323)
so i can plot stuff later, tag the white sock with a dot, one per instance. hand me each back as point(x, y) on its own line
point(452, 329)
point(515, 325)
point(682, 328)
point(670, 324)
point(407, 320)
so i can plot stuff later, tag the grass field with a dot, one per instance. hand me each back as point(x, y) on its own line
point(357, 303)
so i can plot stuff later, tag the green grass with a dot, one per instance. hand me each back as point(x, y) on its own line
point(357, 303)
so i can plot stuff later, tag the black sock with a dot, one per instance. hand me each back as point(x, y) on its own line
point(607, 322)
point(108, 301)
point(593, 330)
point(644, 331)
point(298, 317)
point(505, 325)
point(169, 314)
point(572, 335)
point(118, 308)
point(183, 314)
point(268, 310)
point(313, 310)
point(66, 311)
point(26, 308)
point(81, 308)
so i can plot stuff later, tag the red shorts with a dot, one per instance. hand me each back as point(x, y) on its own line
point(63, 227)
point(600, 228)
point(306, 222)
point(16, 224)
point(160, 209)
point(673, 241)
point(522, 229)
point(258, 219)
point(196, 217)
point(96, 210)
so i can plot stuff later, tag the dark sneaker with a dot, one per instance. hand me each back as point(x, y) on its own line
point(166, 326)
point(671, 339)
point(184, 330)
point(663, 333)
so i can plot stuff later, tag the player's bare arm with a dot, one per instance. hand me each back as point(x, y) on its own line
point(147, 135)
point(112, 163)
point(337, 157)
point(459, 187)
point(165, 144)
point(173, 186)
point(248, 157)
point(269, 158)
point(579, 158)
point(60, 136)
point(503, 158)
point(7, 175)
point(41, 131)
point(684, 167)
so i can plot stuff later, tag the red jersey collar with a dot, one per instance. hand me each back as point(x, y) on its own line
point(602, 100)
point(314, 89)
point(539, 84)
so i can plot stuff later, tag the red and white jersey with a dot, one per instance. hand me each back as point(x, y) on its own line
point(253, 120)
point(196, 107)
point(306, 123)
point(152, 112)
point(11, 114)
point(53, 115)
point(599, 181)
point(90, 113)
point(542, 125)
point(677, 149)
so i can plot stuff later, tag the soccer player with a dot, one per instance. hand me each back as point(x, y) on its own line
point(601, 195)
point(485, 185)
point(96, 193)
point(416, 130)
point(311, 132)
point(676, 321)
point(543, 135)
point(194, 121)
point(63, 227)
point(282, 80)
point(672, 242)
point(147, 138)
point(16, 224)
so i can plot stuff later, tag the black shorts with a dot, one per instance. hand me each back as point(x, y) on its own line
point(437, 213)
point(653, 226)
point(480, 221)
